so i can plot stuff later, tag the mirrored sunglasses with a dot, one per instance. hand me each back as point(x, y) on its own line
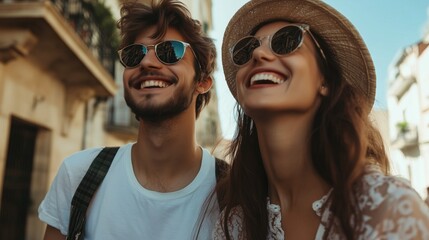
point(283, 42)
point(168, 52)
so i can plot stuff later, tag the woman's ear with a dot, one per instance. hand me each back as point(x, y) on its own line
point(204, 85)
point(324, 91)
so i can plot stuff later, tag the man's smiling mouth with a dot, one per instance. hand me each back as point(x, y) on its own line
point(154, 84)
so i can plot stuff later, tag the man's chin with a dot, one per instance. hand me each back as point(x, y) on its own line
point(159, 114)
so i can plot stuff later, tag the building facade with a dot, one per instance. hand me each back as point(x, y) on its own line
point(60, 92)
point(408, 105)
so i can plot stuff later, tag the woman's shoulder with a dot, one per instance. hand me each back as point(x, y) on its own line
point(377, 190)
point(391, 207)
point(377, 187)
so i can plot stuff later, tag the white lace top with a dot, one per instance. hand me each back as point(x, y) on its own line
point(391, 210)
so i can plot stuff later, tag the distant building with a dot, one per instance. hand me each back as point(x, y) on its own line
point(408, 105)
point(60, 92)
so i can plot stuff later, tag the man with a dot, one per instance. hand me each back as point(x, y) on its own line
point(156, 187)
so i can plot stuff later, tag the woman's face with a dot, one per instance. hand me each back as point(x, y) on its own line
point(280, 84)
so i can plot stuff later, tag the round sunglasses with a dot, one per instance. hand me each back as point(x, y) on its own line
point(168, 52)
point(283, 42)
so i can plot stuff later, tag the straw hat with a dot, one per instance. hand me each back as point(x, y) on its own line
point(348, 49)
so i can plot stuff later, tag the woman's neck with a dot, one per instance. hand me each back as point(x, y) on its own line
point(285, 150)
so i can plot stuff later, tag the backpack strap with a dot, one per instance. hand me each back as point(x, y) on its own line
point(86, 189)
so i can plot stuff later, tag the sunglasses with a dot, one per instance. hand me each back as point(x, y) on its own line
point(168, 52)
point(283, 42)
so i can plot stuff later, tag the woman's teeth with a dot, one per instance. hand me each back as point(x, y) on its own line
point(266, 78)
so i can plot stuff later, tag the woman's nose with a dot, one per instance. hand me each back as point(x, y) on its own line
point(263, 52)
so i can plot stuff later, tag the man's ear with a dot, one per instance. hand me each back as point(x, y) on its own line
point(204, 85)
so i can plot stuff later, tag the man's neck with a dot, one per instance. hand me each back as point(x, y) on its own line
point(166, 157)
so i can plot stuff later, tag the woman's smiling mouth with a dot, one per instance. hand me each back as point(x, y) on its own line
point(266, 78)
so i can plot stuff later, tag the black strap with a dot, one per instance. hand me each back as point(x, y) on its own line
point(92, 180)
point(86, 189)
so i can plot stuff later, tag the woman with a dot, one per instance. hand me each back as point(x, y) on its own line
point(306, 161)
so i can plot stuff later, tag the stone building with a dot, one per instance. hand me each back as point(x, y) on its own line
point(60, 92)
point(408, 106)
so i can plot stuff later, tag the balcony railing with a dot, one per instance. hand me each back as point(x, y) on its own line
point(100, 39)
point(82, 16)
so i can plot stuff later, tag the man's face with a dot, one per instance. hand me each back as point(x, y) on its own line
point(155, 91)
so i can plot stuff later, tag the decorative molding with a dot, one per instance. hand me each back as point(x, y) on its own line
point(52, 20)
point(15, 43)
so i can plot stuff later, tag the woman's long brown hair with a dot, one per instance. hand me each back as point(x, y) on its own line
point(343, 142)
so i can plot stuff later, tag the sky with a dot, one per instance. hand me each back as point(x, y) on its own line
point(387, 27)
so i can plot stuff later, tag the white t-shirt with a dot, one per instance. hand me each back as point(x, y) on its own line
point(122, 208)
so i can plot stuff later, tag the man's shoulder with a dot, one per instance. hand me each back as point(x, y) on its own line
point(81, 160)
point(219, 163)
point(82, 157)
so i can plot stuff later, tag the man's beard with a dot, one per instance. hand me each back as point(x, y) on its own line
point(160, 112)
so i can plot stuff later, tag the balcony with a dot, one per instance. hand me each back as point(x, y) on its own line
point(402, 76)
point(65, 41)
point(406, 137)
point(401, 85)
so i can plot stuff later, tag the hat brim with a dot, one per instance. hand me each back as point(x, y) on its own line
point(346, 45)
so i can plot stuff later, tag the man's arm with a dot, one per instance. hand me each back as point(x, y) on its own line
point(52, 233)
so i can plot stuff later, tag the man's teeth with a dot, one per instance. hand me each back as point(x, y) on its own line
point(153, 83)
point(266, 77)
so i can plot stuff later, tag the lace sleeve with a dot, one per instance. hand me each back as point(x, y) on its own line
point(392, 210)
point(235, 226)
